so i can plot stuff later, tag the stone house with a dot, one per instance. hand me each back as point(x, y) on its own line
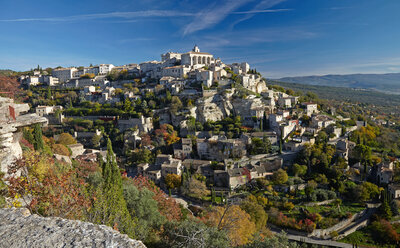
point(172, 166)
point(144, 124)
point(322, 121)
point(218, 148)
point(310, 108)
point(153, 175)
point(384, 173)
point(394, 190)
point(183, 149)
point(76, 149)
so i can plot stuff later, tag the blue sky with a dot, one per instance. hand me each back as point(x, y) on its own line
point(278, 37)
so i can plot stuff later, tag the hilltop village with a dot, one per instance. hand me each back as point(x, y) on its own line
point(210, 133)
point(217, 112)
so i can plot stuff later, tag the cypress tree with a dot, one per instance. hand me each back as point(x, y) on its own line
point(38, 139)
point(114, 209)
point(385, 209)
point(28, 136)
point(48, 93)
point(213, 195)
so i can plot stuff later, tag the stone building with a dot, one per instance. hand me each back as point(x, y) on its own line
point(64, 74)
point(196, 58)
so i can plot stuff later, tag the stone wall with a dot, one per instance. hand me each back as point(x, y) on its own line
point(325, 233)
point(360, 225)
point(18, 228)
point(319, 203)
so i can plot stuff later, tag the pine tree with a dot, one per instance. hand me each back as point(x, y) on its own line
point(38, 139)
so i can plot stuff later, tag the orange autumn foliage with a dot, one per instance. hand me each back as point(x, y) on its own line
point(53, 192)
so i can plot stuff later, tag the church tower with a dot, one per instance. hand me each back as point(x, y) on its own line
point(196, 49)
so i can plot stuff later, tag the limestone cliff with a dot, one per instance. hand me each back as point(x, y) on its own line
point(18, 228)
point(213, 108)
point(12, 119)
point(220, 106)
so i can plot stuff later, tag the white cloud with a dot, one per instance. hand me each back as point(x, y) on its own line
point(212, 15)
point(261, 11)
point(263, 5)
point(124, 15)
point(243, 38)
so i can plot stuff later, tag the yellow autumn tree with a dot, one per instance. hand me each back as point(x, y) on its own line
point(66, 139)
point(235, 221)
point(173, 181)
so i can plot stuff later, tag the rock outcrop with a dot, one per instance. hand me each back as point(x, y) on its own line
point(12, 119)
point(18, 228)
point(213, 108)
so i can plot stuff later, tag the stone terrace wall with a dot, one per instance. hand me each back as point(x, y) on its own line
point(325, 233)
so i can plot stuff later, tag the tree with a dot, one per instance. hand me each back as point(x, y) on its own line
point(195, 188)
point(54, 190)
point(168, 207)
point(176, 104)
point(363, 154)
point(262, 183)
point(38, 139)
point(311, 186)
point(213, 195)
point(299, 170)
point(60, 149)
point(191, 233)
point(321, 179)
point(366, 191)
point(111, 208)
point(142, 156)
point(66, 139)
point(235, 221)
point(96, 140)
point(280, 177)
point(48, 94)
point(260, 146)
point(322, 137)
point(383, 232)
point(385, 210)
point(173, 181)
point(27, 134)
point(127, 105)
point(256, 212)
point(141, 204)
point(168, 96)
point(88, 75)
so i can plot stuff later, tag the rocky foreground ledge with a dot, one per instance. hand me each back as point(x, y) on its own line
point(19, 228)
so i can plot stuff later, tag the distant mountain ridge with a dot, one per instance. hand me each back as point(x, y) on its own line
point(388, 83)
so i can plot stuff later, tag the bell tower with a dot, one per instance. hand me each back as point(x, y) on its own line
point(196, 49)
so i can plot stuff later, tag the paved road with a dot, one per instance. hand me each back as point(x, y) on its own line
point(180, 200)
point(315, 241)
point(327, 243)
